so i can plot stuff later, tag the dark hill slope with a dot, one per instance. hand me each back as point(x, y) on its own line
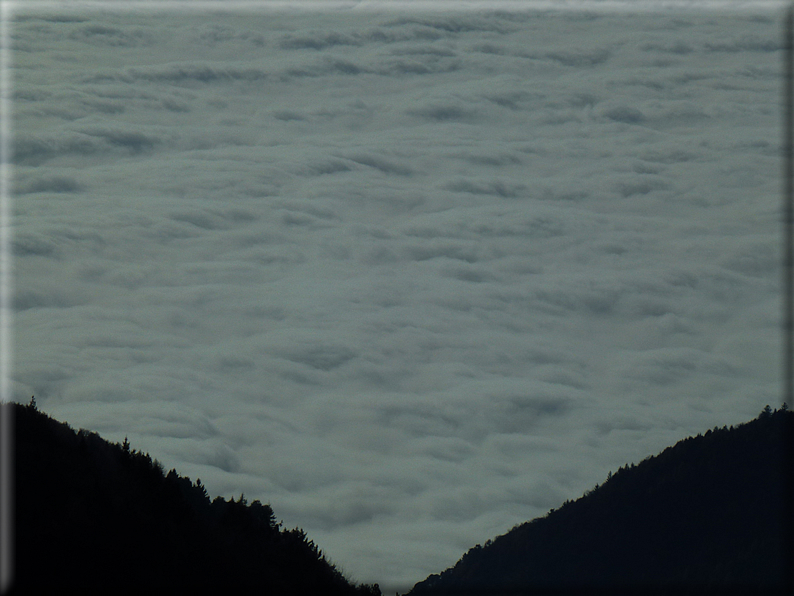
point(711, 514)
point(102, 519)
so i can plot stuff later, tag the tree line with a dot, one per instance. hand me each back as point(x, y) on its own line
point(102, 517)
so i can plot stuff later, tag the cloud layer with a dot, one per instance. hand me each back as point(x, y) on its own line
point(412, 278)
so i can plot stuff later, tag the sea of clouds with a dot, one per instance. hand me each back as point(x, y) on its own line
point(412, 277)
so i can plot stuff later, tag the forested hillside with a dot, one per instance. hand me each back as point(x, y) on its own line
point(103, 518)
point(711, 514)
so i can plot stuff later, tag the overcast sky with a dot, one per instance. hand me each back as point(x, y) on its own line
point(411, 276)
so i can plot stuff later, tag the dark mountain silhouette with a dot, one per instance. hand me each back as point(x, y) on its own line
point(99, 518)
point(710, 515)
